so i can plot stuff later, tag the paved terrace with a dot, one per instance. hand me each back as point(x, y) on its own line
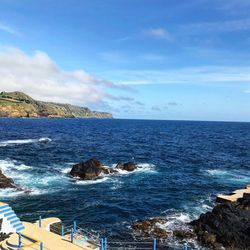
point(51, 241)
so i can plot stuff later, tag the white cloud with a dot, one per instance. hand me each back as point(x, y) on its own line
point(6, 28)
point(158, 33)
point(39, 76)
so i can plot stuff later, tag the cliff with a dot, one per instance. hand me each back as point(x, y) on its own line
point(18, 104)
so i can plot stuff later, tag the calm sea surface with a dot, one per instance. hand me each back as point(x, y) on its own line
point(183, 165)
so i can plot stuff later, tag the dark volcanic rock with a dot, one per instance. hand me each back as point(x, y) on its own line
point(183, 234)
point(151, 227)
point(6, 182)
point(228, 224)
point(92, 169)
point(129, 166)
point(87, 170)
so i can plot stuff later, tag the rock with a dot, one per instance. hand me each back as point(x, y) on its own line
point(92, 169)
point(129, 166)
point(88, 170)
point(227, 224)
point(6, 182)
point(152, 227)
point(183, 234)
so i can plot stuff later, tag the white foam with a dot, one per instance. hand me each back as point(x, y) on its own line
point(10, 192)
point(24, 141)
point(234, 176)
point(45, 139)
point(216, 172)
point(91, 182)
point(8, 165)
point(66, 170)
point(141, 168)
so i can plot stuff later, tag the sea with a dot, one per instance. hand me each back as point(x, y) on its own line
point(183, 165)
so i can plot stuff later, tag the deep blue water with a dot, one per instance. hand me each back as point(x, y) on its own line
point(183, 166)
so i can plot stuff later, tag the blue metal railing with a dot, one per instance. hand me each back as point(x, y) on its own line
point(73, 231)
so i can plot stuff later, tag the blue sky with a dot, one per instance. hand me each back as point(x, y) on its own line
point(153, 59)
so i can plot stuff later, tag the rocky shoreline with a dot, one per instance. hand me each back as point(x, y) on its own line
point(227, 226)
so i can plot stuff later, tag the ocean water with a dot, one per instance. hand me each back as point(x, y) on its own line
point(183, 166)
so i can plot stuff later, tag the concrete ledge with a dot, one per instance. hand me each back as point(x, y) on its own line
point(234, 196)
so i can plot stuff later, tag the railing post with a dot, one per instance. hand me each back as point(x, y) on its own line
point(154, 244)
point(72, 235)
point(41, 246)
point(105, 243)
point(74, 226)
point(185, 246)
point(40, 221)
point(62, 230)
point(19, 240)
point(101, 243)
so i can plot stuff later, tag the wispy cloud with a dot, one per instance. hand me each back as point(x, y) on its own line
point(188, 75)
point(158, 33)
point(218, 26)
point(7, 28)
point(39, 76)
point(113, 57)
point(173, 104)
point(156, 108)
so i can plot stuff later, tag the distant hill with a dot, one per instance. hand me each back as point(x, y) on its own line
point(18, 104)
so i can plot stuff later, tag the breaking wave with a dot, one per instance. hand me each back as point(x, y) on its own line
point(24, 141)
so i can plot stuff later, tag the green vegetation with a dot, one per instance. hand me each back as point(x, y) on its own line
point(7, 102)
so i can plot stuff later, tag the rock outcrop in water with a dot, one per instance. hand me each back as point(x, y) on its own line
point(129, 166)
point(151, 228)
point(227, 225)
point(18, 104)
point(6, 182)
point(93, 169)
point(156, 227)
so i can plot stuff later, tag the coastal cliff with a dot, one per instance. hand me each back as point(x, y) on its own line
point(18, 104)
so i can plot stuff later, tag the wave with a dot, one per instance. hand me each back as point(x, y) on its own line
point(233, 176)
point(27, 178)
point(24, 141)
point(8, 165)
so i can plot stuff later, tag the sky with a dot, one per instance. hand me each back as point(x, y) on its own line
point(138, 59)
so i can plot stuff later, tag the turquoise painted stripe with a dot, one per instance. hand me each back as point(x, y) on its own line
point(4, 206)
point(14, 221)
point(6, 210)
point(17, 225)
point(12, 217)
point(8, 214)
point(20, 229)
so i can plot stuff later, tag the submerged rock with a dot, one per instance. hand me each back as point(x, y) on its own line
point(228, 224)
point(152, 227)
point(93, 169)
point(129, 166)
